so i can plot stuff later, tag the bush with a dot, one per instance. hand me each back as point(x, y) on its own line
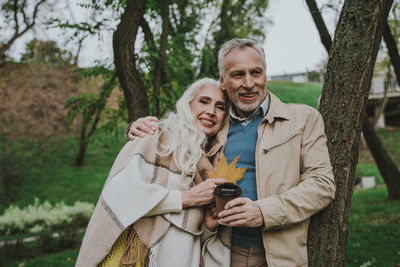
point(37, 51)
point(38, 218)
point(54, 227)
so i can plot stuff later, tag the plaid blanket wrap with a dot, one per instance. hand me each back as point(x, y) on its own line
point(139, 179)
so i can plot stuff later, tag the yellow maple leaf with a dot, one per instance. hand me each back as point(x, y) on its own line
point(230, 173)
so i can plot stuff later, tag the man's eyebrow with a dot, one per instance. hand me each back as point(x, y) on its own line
point(236, 72)
point(257, 69)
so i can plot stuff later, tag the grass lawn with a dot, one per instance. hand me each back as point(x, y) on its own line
point(65, 258)
point(374, 229)
point(53, 176)
point(289, 92)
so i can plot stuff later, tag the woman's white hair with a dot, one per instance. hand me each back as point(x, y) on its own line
point(183, 139)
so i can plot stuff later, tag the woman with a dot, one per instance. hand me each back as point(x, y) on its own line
point(149, 212)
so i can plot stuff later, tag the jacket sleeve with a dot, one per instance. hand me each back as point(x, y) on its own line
point(316, 188)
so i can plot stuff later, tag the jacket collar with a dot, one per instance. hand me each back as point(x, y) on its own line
point(277, 110)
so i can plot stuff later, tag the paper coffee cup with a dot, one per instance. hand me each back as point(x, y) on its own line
point(224, 193)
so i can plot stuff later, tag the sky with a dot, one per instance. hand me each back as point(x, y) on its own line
point(292, 42)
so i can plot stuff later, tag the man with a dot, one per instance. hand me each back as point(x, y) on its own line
point(289, 176)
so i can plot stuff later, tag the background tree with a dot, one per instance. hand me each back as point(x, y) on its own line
point(90, 106)
point(236, 19)
point(391, 38)
point(46, 52)
point(20, 16)
point(170, 57)
point(125, 59)
point(388, 169)
point(343, 104)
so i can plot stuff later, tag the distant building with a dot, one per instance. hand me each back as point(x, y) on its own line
point(378, 85)
point(377, 91)
point(300, 77)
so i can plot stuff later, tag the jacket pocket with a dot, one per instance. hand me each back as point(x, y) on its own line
point(281, 142)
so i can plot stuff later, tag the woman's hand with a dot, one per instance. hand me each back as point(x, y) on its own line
point(210, 217)
point(201, 194)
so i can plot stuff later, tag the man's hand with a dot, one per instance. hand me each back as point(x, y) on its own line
point(201, 194)
point(241, 212)
point(141, 127)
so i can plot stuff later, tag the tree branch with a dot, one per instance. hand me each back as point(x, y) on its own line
point(25, 18)
point(148, 35)
point(15, 8)
point(392, 50)
point(320, 24)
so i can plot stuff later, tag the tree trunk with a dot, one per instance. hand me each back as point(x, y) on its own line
point(159, 64)
point(81, 154)
point(2, 57)
point(86, 129)
point(82, 145)
point(343, 104)
point(389, 171)
point(124, 39)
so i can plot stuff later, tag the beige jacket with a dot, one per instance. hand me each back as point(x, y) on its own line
point(294, 178)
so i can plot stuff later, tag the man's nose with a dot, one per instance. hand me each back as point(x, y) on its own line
point(248, 82)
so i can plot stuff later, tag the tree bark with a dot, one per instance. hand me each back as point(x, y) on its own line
point(390, 173)
point(124, 38)
point(159, 64)
point(343, 104)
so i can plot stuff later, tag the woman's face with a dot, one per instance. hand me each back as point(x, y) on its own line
point(209, 109)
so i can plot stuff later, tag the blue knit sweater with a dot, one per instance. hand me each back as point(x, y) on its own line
point(242, 141)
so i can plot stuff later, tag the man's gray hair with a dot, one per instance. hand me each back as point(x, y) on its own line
point(237, 43)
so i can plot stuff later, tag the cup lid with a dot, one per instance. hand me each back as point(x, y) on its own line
point(227, 190)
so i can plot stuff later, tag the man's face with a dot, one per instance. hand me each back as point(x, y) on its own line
point(244, 80)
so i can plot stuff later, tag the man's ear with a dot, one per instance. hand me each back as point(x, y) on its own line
point(221, 83)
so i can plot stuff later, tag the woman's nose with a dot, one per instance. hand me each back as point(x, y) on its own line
point(210, 110)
